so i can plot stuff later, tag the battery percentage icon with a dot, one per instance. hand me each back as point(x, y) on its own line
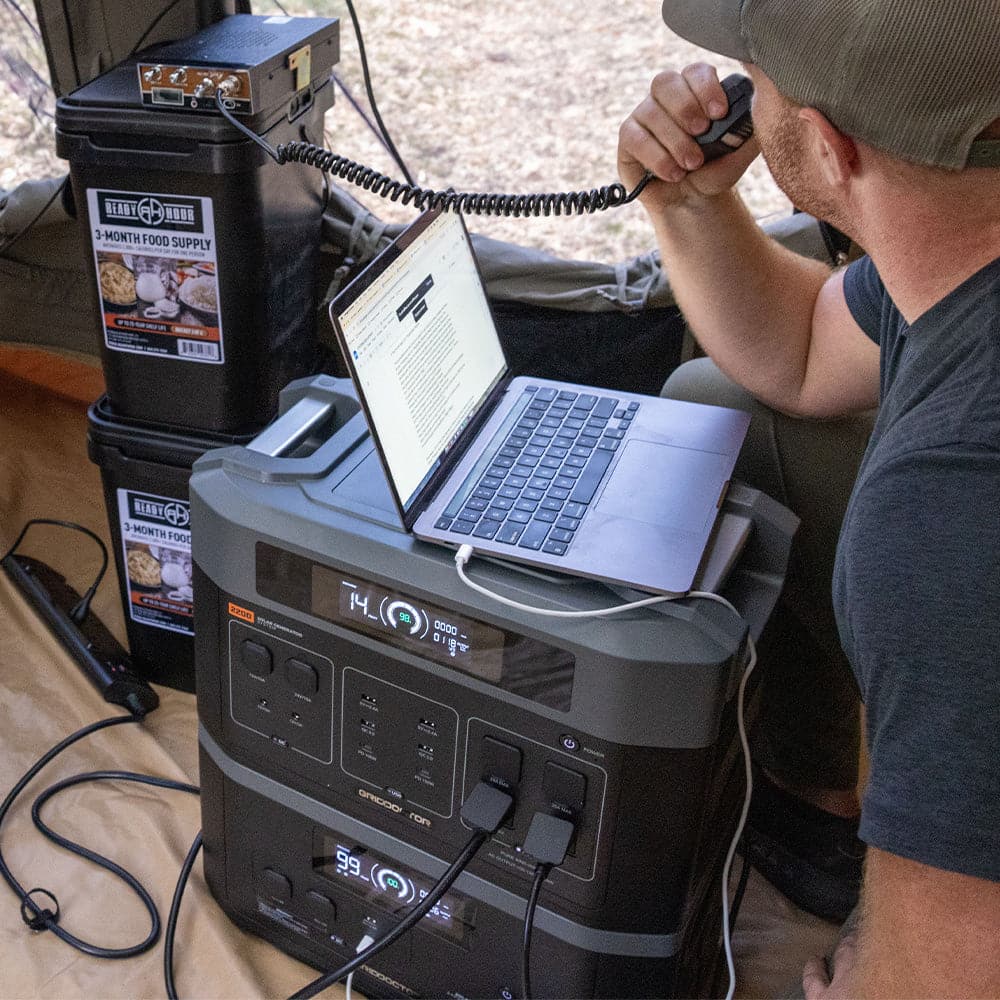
point(402, 615)
point(391, 882)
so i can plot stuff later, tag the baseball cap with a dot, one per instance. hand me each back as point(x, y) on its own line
point(918, 79)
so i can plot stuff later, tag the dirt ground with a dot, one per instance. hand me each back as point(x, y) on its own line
point(523, 96)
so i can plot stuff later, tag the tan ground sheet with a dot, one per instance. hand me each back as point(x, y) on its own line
point(44, 472)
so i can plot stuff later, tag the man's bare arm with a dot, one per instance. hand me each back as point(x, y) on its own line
point(775, 322)
point(924, 933)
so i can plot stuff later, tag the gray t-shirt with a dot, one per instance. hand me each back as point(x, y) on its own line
point(917, 578)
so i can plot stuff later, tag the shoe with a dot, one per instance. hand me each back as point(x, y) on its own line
point(811, 856)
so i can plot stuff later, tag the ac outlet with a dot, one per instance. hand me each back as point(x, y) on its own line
point(541, 779)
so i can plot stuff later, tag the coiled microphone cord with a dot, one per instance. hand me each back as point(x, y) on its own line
point(467, 202)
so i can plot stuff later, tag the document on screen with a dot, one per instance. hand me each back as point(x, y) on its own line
point(425, 352)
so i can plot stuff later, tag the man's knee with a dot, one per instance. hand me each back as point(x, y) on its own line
point(700, 381)
point(759, 464)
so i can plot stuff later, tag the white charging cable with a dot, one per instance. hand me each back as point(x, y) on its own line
point(727, 942)
point(465, 553)
point(462, 557)
point(349, 982)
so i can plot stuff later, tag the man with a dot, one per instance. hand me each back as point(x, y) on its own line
point(880, 116)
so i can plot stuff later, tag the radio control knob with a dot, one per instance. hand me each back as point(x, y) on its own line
point(153, 74)
point(179, 75)
point(207, 85)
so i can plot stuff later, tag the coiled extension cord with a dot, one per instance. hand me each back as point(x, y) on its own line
point(467, 202)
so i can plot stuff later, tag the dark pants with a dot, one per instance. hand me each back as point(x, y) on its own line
point(808, 732)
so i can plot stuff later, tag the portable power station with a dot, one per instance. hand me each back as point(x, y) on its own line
point(352, 691)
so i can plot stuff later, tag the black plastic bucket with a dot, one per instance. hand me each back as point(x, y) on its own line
point(145, 471)
point(203, 253)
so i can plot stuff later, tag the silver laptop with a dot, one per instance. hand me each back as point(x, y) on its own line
point(604, 484)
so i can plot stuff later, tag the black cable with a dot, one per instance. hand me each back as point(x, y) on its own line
point(46, 921)
point(741, 888)
point(440, 887)
point(79, 611)
point(381, 132)
point(127, 877)
point(352, 100)
point(469, 202)
point(484, 810)
point(541, 874)
point(8, 243)
point(24, 17)
point(172, 918)
point(371, 95)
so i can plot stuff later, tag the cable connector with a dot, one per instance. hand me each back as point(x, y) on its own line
point(363, 945)
point(548, 839)
point(486, 808)
point(34, 916)
point(463, 555)
point(547, 842)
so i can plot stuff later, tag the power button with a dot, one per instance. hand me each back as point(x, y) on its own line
point(570, 743)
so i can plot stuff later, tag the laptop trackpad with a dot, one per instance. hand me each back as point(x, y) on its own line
point(677, 488)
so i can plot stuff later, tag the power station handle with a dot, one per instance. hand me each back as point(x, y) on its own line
point(293, 427)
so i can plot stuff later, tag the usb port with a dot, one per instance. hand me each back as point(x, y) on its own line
point(428, 724)
point(367, 699)
point(367, 724)
point(424, 748)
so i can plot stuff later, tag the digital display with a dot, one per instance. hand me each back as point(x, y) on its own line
point(403, 622)
point(523, 665)
point(391, 886)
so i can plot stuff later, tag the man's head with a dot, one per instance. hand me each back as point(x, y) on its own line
point(794, 150)
point(918, 80)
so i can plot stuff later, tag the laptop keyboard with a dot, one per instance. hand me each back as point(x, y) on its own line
point(533, 485)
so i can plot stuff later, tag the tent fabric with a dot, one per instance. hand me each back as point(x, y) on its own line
point(83, 40)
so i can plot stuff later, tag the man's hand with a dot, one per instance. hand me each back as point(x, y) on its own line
point(818, 984)
point(925, 932)
point(659, 136)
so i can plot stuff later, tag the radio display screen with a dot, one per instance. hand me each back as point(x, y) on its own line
point(391, 886)
point(401, 621)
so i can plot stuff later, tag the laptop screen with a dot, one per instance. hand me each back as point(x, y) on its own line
point(423, 348)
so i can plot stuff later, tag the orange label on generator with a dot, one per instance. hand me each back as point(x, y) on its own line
point(242, 613)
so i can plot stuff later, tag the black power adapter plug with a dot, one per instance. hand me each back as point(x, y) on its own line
point(548, 839)
point(486, 808)
point(547, 842)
